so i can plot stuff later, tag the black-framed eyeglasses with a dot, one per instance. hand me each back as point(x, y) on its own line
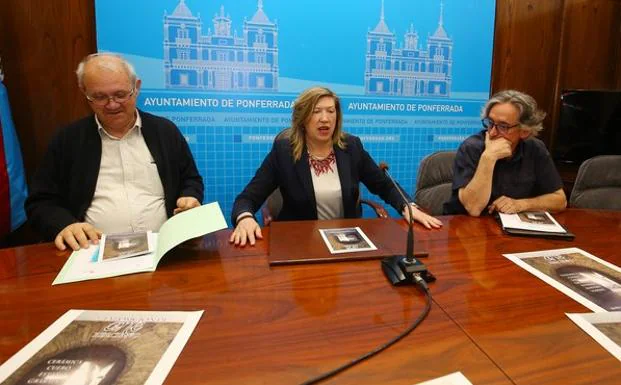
point(502, 127)
point(118, 97)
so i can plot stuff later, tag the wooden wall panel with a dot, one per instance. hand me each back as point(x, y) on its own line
point(591, 44)
point(591, 38)
point(41, 44)
point(618, 75)
point(526, 47)
point(543, 47)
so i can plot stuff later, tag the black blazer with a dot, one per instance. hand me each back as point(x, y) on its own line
point(296, 185)
point(63, 186)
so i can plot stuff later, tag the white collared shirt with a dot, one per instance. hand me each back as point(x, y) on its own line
point(129, 195)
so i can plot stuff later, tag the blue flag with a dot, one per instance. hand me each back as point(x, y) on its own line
point(13, 190)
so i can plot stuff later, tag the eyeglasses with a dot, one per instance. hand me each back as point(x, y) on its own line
point(118, 97)
point(503, 128)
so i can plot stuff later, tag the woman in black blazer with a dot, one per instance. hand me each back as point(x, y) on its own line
point(318, 169)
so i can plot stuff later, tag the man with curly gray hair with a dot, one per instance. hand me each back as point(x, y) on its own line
point(504, 167)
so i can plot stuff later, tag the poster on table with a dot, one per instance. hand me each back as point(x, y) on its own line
point(103, 347)
point(605, 328)
point(589, 280)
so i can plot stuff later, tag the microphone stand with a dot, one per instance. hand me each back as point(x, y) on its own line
point(400, 269)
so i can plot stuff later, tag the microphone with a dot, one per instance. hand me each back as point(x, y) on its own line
point(402, 269)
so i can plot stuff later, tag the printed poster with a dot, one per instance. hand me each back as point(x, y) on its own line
point(587, 279)
point(605, 328)
point(103, 347)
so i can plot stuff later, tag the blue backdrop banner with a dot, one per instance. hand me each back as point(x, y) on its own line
point(412, 76)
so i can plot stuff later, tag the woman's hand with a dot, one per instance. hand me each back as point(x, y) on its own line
point(423, 218)
point(246, 231)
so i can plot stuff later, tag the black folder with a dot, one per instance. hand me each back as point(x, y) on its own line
point(566, 235)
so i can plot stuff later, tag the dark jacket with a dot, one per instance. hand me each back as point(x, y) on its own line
point(296, 185)
point(63, 186)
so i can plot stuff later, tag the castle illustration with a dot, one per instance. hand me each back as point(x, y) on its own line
point(220, 60)
point(408, 70)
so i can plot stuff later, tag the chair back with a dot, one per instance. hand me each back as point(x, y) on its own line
point(598, 184)
point(434, 181)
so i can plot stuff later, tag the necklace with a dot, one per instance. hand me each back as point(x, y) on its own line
point(322, 165)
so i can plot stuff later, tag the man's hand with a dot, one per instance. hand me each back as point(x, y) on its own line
point(506, 205)
point(498, 148)
point(186, 203)
point(247, 231)
point(426, 220)
point(77, 235)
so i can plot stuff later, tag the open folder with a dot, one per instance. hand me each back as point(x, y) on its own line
point(85, 264)
point(533, 224)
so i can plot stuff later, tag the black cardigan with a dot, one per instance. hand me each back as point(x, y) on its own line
point(296, 185)
point(63, 186)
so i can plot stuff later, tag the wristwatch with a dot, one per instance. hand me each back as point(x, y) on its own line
point(414, 205)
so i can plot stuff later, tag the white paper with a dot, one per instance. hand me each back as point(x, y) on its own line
point(585, 278)
point(531, 220)
point(605, 328)
point(346, 240)
point(84, 264)
point(456, 378)
point(123, 331)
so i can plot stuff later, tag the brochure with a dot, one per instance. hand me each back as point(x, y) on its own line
point(103, 347)
point(346, 240)
point(533, 223)
point(605, 328)
point(585, 278)
point(85, 264)
point(456, 378)
point(125, 245)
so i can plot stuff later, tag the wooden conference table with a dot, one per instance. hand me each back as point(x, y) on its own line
point(265, 324)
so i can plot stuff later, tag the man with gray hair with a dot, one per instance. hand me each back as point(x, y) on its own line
point(504, 167)
point(119, 170)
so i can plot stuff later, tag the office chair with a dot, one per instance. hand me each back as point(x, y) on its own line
point(434, 181)
point(273, 205)
point(598, 184)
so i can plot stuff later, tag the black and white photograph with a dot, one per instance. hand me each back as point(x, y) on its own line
point(346, 240)
point(124, 245)
point(536, 217)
